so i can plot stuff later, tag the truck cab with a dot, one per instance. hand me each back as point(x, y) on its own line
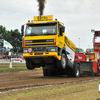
point(45, 44)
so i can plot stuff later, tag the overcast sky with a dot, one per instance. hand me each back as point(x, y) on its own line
point(78, 16)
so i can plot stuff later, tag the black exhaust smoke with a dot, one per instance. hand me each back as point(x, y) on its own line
point(41, 6)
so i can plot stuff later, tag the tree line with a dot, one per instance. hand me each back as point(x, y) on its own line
point(13, 37)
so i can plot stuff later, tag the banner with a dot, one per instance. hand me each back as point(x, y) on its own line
point(7, 45)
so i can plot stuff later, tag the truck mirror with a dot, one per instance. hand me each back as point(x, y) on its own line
point(22, 30)
point(63, 29)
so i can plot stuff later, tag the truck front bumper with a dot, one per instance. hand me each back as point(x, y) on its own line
point(42, 59)
point(41, 52)
point(42, 55)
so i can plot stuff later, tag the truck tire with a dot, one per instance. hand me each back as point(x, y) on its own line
point(29, 65)
point(61, 64)
point(49, 71)
point(45, 72)
point(69, 72)
point(76, 71)
point(97, 74)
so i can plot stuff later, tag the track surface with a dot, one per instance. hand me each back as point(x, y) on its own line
point(30, 78)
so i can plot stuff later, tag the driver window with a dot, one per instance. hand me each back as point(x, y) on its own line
point(44, 31)
point(28, 31)
point(60, 33)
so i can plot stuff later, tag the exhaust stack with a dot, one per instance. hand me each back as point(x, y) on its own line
point(41, 6)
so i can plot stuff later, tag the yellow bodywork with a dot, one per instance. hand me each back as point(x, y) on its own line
point(38, 38)
point(44, 54)
point(70, 44)
point(61, 41)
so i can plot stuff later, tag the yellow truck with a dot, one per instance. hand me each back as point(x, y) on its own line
point(45, 44)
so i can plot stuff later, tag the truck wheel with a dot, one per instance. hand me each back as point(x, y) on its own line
point(29, 65)
point(51, 72)
point(62, 63)
point(76, 71)
point(97, 69)
point(97, 74)
point(45, 72)
point(69, 72)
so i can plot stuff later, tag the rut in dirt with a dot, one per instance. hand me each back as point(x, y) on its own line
point(22, 80)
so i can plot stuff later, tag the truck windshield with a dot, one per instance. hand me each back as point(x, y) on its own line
point(41, 29)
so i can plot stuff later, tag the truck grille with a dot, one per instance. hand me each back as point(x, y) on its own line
point(39, 42)
point(38, 53)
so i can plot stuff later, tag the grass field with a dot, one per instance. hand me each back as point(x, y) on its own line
point(80, 91)
point(14, 68)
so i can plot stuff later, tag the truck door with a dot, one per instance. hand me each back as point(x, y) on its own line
point(60, 35)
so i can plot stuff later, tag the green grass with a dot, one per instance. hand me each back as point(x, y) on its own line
point(13, 68)
point(83, 91)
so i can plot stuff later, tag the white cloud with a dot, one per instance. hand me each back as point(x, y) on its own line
point(78, 16)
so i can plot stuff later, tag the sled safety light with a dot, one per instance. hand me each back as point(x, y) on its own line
point(92, 30)
point(98, 45)
point(99, 86)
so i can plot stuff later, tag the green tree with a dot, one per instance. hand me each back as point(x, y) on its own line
point(16, 40)
point(13, 37)
point(79, 50)
point(90, 50)
point(3, 33)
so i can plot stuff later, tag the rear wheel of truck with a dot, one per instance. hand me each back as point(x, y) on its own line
point(97, 74)
point(62, 63)
point(49, 71)
point(69, 72)
point(29, 64)
point(45, 72)
point(76, 70)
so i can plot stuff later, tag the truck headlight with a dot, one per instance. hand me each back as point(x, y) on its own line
point(53, 50)
point(25, 51)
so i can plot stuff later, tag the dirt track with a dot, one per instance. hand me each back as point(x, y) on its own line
point(30, 78)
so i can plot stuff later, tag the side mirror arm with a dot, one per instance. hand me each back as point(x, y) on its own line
point(22, 30)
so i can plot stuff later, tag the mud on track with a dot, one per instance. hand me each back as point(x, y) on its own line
point(31, 78)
